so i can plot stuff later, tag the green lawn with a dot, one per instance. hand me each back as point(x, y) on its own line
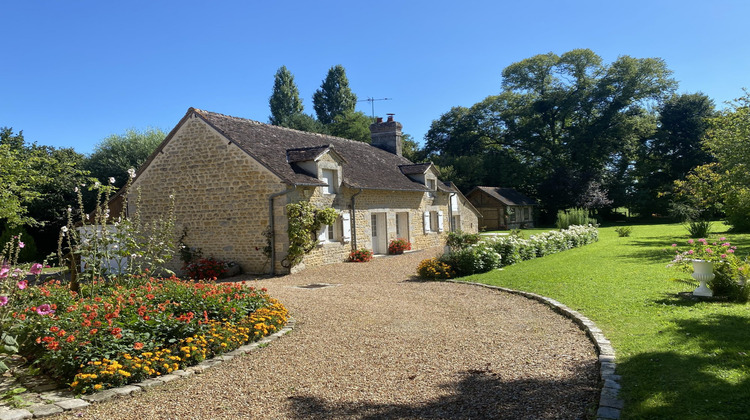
point(678, 359)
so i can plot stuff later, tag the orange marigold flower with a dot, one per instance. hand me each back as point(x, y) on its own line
point(138, 346)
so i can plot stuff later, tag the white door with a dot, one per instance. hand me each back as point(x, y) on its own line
point(402, 225)
point(379, 233)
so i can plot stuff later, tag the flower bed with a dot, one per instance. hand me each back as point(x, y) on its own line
point(110, 335)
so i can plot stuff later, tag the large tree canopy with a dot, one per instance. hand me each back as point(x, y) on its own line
point(114, 155)
point(285, 102)
point(566, 123)
point(334, 96)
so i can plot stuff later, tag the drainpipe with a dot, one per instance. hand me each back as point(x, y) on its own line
point(354, 220)
point(273, 229)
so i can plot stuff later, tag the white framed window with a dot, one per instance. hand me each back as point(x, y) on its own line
point(511, 215)
point(526, 214)
point(433, 221)
point(431, 185)
point(329, 177)
point(331, 233)
point(456, 221)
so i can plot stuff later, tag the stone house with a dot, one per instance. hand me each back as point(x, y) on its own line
point(502, 208)
point(233, 177)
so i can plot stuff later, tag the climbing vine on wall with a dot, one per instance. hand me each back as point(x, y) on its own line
point(305, 221)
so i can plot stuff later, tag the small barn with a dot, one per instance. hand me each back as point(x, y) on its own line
point(502, 208)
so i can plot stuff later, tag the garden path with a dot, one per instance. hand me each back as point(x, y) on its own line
point(381, 344)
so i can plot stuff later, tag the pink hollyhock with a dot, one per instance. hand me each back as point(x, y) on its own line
point(36, 269)
point(21, 244)
point(4, 271)
point(22, 284)
point(3, 300)
point(44, 309)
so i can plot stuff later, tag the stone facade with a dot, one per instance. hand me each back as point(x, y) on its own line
point(223, 196)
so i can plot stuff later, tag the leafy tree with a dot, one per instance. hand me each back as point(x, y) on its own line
point(673, 150)
point(18, 182)
point(411, 150)
point(334, 96)
point(305, 122)
point(352, 125)
point(284, 101)
point(728, 141)
point(564, 121)
point(114, 155)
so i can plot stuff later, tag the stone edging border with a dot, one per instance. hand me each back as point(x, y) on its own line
point(61, 404)
point(610, 405)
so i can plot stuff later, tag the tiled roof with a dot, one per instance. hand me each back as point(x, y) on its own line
point(507, 196)
point(364, 166)
point(302, 154)
point(415, 168)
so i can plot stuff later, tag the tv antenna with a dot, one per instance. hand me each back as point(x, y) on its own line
point(372, 103)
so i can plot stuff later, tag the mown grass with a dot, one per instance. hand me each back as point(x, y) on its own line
point(679, 359)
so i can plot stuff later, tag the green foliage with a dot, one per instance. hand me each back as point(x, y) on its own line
point(29, 251)
point(20, 178)
point(114, 155)
point(624, 231)
point(460, 240)
point(351, 125)
point(334, 96)
point(672, 151)
point(560, 123)
point(305, 221)
point(472, 259)
point(698, 228)
point(728, 141)
point(118, 249)
point(304, 122)
point(574, 216)
point(284, 101)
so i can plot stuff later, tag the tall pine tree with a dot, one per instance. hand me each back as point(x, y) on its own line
point(334, 96)
point(284, 101)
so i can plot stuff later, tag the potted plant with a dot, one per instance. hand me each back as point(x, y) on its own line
point(398, 246)
point(702, 256)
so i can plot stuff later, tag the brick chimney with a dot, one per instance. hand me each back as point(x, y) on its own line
point(387, 135)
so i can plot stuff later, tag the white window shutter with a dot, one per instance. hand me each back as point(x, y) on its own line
point(323, 234)
point(440, 221)
point(346, 225)
point(454, 203)
point(426, 218)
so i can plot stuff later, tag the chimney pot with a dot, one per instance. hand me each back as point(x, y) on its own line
point(390, 117)
point(380, 119)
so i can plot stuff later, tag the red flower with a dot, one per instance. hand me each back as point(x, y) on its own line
point(93, 331)
point(138, 346)
point(116, 331)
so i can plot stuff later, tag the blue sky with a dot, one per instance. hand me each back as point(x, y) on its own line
point(78, 71)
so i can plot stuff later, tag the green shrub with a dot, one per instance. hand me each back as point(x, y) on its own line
point(624, 231)
point(472, 260)
point(698, 228)
point(574, 216)
point(459, 240)
point(29, 252)
point(737, 209)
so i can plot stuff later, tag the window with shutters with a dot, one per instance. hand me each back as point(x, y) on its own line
point(329, 177)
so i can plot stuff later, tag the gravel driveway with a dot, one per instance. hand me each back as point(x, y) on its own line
point(381, 344)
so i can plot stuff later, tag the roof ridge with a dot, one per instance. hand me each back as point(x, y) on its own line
point(277, 126)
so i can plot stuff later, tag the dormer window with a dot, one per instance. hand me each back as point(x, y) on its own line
point(329, 177)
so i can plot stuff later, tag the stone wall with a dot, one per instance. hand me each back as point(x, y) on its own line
point(221, 195)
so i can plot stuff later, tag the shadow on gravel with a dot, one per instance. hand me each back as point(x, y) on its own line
point(479, 394)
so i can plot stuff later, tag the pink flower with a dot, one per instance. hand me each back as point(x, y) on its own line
point(709, 251)
point(731, 251)
point(36, 269)
point(674, 245)
point(3, 300)
point(690, 241)
point(44, 309)
point(22, 284)
point(4, 271)
point(21, 244)
point(723, 255)
point(722, 239)
point(691, 252)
